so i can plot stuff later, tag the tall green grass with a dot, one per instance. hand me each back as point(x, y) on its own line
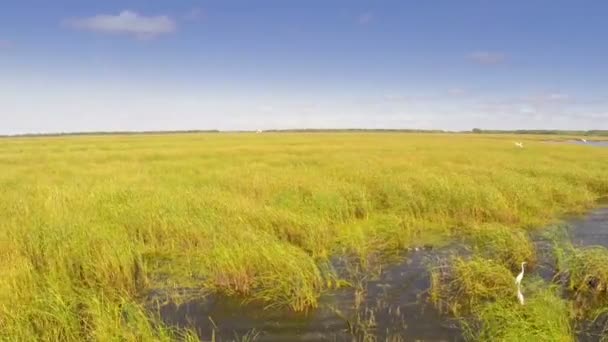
point(89, 226)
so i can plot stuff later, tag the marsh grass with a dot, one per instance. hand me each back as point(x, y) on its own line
point(544, 317)
point(585, 272)
point(89, 225)
point(462, 285)
point(508, 246)
point(481, 293)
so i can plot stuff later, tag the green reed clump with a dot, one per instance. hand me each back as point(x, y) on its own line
point(481, 294)
point(64, 314)
point(509, 246)
point(264, 269)
point(463, 285)
point(586, 272)
point(544, 317)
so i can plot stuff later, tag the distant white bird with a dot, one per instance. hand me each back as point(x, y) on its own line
point(520, 276)
point(259, 131)
point(584, 140)
point(519, 144)
point(520, 295)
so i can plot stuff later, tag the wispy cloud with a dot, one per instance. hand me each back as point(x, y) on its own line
point(592, 115)
point(557, 97)
point(487, 57)
point(395, 98)
point(266, 108)
point(195, 14)
point(365, 18)
point(457, 91)
point(126, 22)
point(544, 108)
point(549, 99)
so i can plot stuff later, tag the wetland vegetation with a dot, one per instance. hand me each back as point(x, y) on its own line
point(98, 234)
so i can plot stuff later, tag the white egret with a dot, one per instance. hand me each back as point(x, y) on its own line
point(520, 276)
point(258, 131)
point(519, 144)
point(584, 140)
point(520, 295)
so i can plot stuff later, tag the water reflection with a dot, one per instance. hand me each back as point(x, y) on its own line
point(392, 307)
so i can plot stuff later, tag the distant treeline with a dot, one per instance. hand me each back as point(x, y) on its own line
point(108, 133)
point(303, 130)
point(541, 131)
point(322, 130)
point(337, 130)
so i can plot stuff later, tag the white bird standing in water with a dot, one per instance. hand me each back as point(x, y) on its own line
point(584, 140)
point(519, 144)
point(520, 276)
point(520, 296)
point(518, 280)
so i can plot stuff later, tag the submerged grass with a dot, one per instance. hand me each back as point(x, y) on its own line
point(90, 225)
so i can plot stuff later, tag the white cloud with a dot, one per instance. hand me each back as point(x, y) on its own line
point(126, 22)
point(365, 18)
point(487, 57)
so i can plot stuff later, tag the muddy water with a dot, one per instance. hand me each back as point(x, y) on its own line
point(392, 307)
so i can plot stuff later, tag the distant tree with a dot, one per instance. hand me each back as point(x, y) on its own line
point(477, 130)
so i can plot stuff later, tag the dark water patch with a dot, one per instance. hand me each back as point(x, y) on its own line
point(583, 231)
point(591, 229)
point(546, 265)
point(592, 331)
point(393, 307)
point(586, 232)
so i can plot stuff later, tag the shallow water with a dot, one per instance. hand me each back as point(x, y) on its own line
point(591, 229)
point(393, 307)
point(590, 143)
point(585, 231)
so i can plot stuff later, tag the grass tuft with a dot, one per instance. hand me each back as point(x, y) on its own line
point(508, 246)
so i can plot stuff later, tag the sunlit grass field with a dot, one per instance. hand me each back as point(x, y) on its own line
point(91, 225)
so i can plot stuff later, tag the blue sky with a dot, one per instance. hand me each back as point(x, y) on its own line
point(68, 65)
